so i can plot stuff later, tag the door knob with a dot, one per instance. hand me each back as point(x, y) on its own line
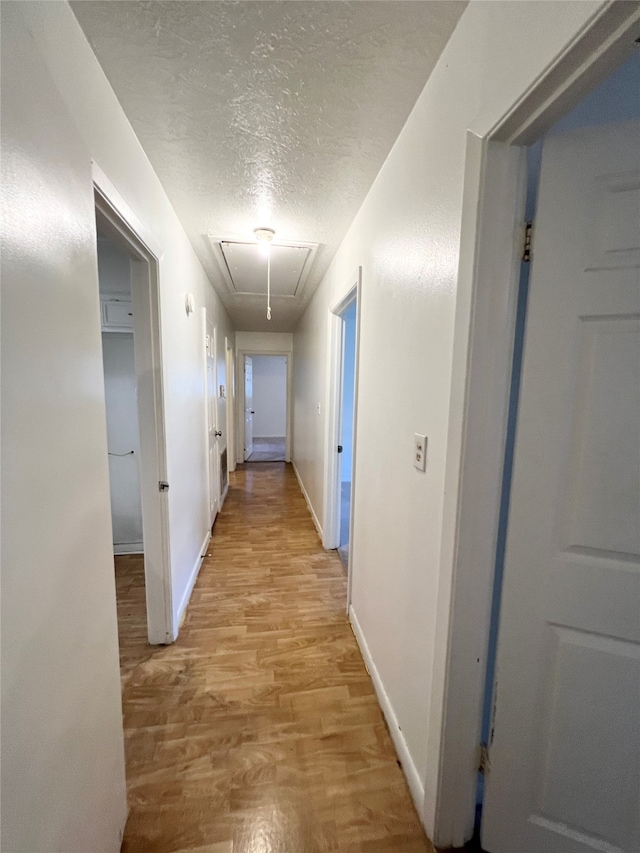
point(252, 412)
point(218, 433)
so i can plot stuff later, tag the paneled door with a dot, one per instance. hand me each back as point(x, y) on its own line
point(213, 433)
point(248, 406)
point(564, 772)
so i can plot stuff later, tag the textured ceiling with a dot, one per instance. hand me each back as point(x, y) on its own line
point(267, 113)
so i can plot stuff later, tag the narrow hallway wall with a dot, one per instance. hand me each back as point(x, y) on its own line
point(414, 339)
point(107, 138)
point(60, 669)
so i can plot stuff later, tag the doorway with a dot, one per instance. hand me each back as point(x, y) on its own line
point(585, 171)
point(347, 410)
point(120, 385)
point(534, 450)
point(229, 394)
point(216, 465)
point(342, 412)
point(123, 438)
point(132, 363)
point(266, 393)
point(264, 406)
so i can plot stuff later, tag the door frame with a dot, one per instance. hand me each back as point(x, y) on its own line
point(332, 480)
point(230, 394)
point(240, 355)
point(488, 277)
point(246, 411)
point(116, 219)
point(206, 325)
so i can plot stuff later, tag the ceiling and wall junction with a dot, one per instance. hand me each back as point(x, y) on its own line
point(272, 114)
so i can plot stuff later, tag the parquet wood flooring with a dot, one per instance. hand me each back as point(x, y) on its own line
point(258, 731)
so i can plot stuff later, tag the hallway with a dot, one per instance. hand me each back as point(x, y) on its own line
point(258, 731)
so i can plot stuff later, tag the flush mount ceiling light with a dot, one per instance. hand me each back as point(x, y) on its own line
point(264, 236)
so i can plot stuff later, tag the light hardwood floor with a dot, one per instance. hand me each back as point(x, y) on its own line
point(258, 731)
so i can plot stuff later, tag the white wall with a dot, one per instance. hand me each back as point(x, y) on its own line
point(107, 138)
point(63, 784)
point(114, 268)
point(406, 236)
point(269, 396)
point(264, 342)
point(120, 388)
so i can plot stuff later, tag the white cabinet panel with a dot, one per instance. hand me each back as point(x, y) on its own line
point(117, 315)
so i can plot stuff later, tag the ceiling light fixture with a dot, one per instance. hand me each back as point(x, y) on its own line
point(264, 236)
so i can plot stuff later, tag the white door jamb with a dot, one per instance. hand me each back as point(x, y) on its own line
point(117, 219)
point(335, 354)
point(230, 393)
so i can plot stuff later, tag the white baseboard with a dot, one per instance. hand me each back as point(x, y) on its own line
point(416, 786)
point(310, 506)
point(123, 823)
point(193, 577)
point(129, 548)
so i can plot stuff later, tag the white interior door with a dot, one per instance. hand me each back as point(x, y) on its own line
point(248, 406)
point(229, 405)
point(212, 422)
point(565, 757)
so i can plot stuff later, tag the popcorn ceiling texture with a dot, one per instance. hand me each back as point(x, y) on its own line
point(267, 113)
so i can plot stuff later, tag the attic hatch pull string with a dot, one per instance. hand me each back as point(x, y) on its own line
point(268, 283)
point(264, 236)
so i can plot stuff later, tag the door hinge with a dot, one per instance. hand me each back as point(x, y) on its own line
point(163, 486)
point(528, 239)
point(339, 448)
point(484, 765)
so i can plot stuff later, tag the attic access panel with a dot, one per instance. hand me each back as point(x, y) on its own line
point(247, 268)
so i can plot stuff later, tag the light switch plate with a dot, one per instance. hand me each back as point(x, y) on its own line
point(420, 451)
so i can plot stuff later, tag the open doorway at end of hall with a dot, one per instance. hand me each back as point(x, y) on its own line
point(266, 409)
